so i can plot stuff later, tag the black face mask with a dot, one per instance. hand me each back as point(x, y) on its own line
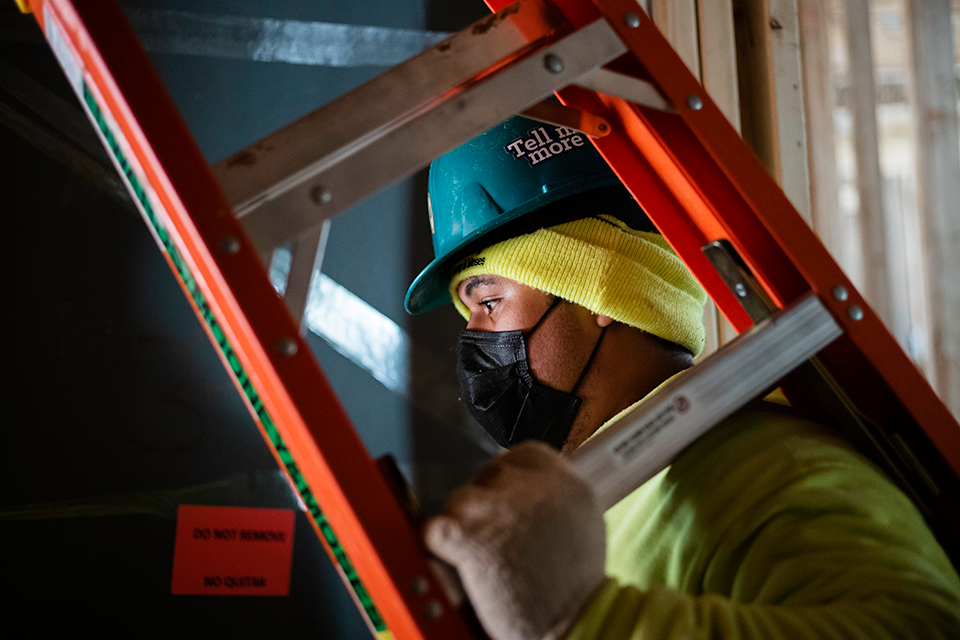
point(501, 394)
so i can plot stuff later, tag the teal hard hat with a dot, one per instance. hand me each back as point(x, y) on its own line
point(482, 191)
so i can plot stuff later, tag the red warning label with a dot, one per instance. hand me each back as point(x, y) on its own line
point(233, 551)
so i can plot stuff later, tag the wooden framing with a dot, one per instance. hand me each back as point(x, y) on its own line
point(702, 33)
point(677, 21)
point(687, 166)
point(863, 106)
point(352, 505)
point(718, 56)
point(718, 73)
point(784, 33)
point(818, 100)
point(931, 49)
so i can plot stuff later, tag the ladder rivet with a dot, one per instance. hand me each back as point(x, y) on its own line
point(740, 289)
point(419, 585)
point(855, 313)
point(695, 103)
point(229, 244)
point(632, 20)
point(433, 609)
point(286, 347)
point(840, 293)
point(320, 195)
point(553, 63)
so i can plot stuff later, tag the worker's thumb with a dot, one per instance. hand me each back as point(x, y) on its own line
point(527, 540)
point(444, 538)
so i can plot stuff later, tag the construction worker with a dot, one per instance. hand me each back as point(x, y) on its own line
point(767, 527)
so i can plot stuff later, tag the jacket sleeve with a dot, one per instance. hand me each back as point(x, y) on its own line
point(769, 528)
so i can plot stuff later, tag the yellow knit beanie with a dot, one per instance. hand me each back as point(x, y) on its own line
point(601, 264)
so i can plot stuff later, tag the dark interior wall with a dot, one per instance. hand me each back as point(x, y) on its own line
point(121, 409)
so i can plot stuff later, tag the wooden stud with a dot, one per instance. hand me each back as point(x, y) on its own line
point(758, 115)
point(718, 57)
point(718, 65)
point(784, 33)
point(677, 21)
point(930, 37)
point(819, 99)
point(875, 284)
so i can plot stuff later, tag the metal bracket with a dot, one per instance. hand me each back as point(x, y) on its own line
point(890, 451)
point(554, 113)
point(316, 167)
point(740, 280)
point(627, 87)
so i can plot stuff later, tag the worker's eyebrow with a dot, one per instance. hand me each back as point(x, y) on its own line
point(477, 281)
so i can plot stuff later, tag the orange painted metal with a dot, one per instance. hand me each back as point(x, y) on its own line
point(731, 195)
point(362, 525)
point(699, 182)
point(690, 171)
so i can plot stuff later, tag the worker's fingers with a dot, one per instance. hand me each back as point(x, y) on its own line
point(527, 540)
point(444, 538)
point(531, 454)
point(531, 479)
point(480, 514)
point(527, 456)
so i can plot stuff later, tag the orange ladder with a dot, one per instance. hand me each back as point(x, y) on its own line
point(652, 122)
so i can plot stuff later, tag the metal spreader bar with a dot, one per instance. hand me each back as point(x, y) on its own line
point(394, 125)
point(665, 139)
point(644, 442)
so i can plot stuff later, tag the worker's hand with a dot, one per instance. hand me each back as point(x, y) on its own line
point(528, 540)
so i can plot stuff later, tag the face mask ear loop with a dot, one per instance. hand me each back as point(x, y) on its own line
point(583, 374)
point(556, 301)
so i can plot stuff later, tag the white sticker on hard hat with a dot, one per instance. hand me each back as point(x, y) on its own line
point(542, 143)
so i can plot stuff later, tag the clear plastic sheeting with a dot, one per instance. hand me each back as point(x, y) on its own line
point(262, 489)
point(359, 332)
point(351, 326)
point(272, 40)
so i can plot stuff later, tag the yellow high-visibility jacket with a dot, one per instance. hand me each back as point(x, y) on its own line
point(771, 527)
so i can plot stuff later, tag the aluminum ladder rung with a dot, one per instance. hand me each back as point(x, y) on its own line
point(640, 445)
point(392, 126)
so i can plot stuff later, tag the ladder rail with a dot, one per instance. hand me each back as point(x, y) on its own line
point(687, 167)
point(279, 196)
point(696, 159)
point(354, 510)
point(363, 116)
point(699, 183)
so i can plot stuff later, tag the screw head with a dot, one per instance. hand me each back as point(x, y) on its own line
point(840, 293)
point(740, 289)
point(855, 313)
point(695, 103)
point(553, 63)
point(229, 244)
point(419, 585)
point(433, 609)
point(321, 195)
point(286, 347)
point(632, 20)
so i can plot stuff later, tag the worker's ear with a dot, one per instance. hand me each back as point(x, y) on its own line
point(603, 321)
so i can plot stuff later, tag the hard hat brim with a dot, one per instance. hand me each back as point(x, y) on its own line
point(430, 289)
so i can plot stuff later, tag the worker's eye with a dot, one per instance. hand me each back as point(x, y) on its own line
point(489, 305)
